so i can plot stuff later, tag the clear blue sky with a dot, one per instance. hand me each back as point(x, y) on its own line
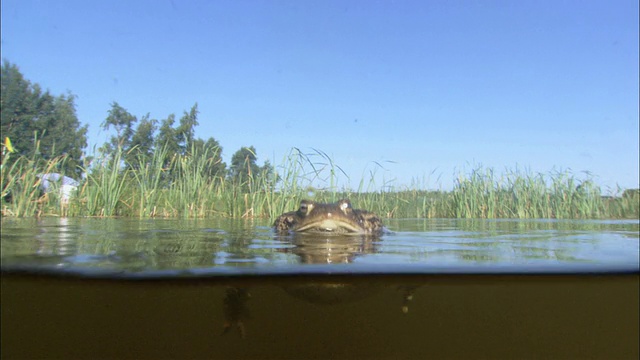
point(426, 88)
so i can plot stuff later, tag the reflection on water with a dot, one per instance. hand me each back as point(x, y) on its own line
point(142, 245)
point(317, 249)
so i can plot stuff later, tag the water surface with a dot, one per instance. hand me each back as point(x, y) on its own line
point(223, 246)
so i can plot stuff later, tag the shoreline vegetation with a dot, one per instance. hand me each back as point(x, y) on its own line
point(159, 168)
point(119, 186)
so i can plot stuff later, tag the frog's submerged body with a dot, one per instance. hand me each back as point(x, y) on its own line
point(336, 218)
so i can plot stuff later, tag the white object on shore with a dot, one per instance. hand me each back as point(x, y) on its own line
point(68, 186)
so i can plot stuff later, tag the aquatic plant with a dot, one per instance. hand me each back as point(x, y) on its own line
point(174, 185)
point(105, 186)
point(518, 194)
point(21, 192)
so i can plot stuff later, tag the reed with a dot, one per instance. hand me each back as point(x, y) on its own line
point(189, 194)
point(105, 187)
point(20, 184)
point(144, 189)
point(517, 194)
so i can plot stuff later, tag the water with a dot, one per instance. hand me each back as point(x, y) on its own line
point(224, 246)
point(124, 288)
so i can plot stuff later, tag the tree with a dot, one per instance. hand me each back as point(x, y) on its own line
point(39, 124)
point(267, 173)
point(185, 132)
point(177, 140)
point(243, 168)
point(139, 145)
point(211, 152)
point(16, 111)
point(122, 121)
point(245, 172)
point(167, 140)
point(243, 163)
point(142, 142)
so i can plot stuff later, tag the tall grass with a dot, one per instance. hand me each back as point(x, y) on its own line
point(20, 183)
point(140, 189)
point(148, 180)
point(105, 187)
point(515, 194)
point(190, 194)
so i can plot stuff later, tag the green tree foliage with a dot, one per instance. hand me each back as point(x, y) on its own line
point(243, 164)
point(185, 132)
point(212, 152)
point(177, 140)
point(167, 139)
point(123, 123)
point(267, 172)
point(140, 144)
point(40, 125)
point(244, 171)
point(142, 141)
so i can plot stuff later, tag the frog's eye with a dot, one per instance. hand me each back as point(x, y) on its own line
point(305, 207)
point(345, 205)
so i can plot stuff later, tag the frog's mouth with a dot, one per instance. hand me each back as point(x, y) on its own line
point(336, 226)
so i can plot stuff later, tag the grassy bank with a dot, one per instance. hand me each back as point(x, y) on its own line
point(153, 188)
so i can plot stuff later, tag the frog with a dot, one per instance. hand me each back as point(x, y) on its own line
point(338, 218)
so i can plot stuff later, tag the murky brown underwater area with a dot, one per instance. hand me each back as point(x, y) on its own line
point(193, 289)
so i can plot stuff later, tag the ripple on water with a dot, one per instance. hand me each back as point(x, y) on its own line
point(417, 244)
